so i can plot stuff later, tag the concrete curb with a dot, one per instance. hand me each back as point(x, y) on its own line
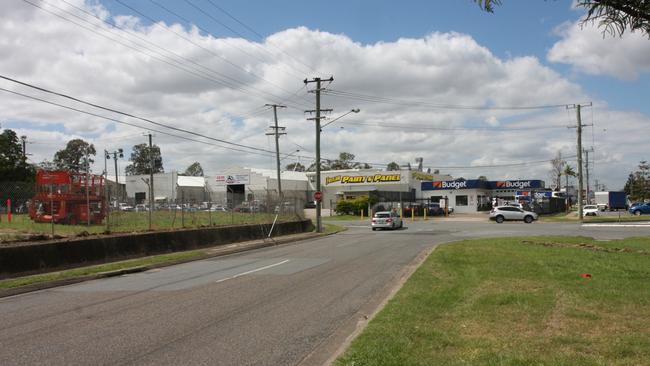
point(210, 253)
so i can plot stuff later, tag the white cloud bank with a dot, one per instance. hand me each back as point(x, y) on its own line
point(587, 51)
point(238, 76)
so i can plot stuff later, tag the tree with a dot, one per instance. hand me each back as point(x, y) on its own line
point(75, 156)
point(296, 167)
point(568, 172)
point(324, 165)
point(557, 168)
point(141, 160)
point(194, 170)
point(13, 165)
point(638, 182)
point(346, 161)
point(392, 166)
point(615, 16)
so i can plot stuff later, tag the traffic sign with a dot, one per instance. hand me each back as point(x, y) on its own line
point(318, 196)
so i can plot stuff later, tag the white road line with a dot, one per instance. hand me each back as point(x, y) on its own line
point(616, 225)
point(253, 271)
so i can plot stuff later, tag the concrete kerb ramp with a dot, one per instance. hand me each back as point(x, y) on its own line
point(37, 257)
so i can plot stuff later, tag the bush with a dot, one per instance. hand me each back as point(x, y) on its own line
point(354, 207)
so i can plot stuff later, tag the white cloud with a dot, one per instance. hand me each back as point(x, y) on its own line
point(441, 68)
point(589, 52)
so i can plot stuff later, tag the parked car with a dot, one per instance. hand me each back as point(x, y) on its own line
point(141, 208)
point(590, 210)
point(310, 204)
point(218, 208)
point(641, 209)
point(386, 220)
point(503, 213)
point(125, 207)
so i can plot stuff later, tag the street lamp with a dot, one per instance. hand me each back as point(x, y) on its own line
point(356, 110)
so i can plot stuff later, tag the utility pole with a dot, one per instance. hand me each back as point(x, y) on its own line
point(107, 198)
point(579, 150)
point(587, 151)
point(24, 141)
point(87, 188)
point(276, 131)
point(319, 223)
point(151, 200)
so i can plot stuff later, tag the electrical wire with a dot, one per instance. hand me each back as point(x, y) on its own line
point(262, 38)
point(424, 127)
point(420, 103)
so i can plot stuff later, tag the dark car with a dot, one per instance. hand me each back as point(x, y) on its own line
point(640, 209)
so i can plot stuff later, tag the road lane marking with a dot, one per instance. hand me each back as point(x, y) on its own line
point(616, 225)
point(253, 271)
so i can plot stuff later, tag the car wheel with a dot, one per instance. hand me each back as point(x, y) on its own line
point(528, 219)
point(637, 213)
point(374, 229)
point(499, 219)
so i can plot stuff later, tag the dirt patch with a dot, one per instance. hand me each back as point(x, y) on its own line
point(586, 246)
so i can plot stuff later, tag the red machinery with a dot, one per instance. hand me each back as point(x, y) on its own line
point(64, 197)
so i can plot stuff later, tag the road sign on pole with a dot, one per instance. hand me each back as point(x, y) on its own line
point(318, 196)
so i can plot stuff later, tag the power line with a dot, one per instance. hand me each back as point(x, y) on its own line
point(233, 64)
point(262, 38)
point(131, 115)
point(424, 127)
point(229, 82)
point(132, 124)
point(420, 103)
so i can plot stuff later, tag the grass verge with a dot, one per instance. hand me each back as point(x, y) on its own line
point(90, 270)
point(572, 217)
point(517, 301)
point(331, 228)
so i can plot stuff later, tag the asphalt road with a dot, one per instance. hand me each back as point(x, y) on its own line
point(283, 305)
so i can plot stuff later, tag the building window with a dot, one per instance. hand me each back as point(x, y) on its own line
point(436, 199)
point(461, 200)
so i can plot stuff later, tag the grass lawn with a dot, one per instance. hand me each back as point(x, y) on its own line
point(331, 228)
point(21, 224)
point(517, 301)
point(573, 217)
point(84, 271)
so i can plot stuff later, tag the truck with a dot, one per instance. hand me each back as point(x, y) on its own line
point(610, 200)
point(67, 197)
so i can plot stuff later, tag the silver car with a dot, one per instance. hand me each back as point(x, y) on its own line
point(503, 213)
point(386, 220)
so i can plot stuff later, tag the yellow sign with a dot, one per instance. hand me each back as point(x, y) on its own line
point(352, 179)
point(422, 176)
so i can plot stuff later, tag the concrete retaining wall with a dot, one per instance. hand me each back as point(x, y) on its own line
point(31, 258)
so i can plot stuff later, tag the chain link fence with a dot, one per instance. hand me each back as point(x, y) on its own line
point(22, 217)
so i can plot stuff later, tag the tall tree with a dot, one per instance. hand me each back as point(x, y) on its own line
point(76, 154)
point(614, 16)
point(296, 167)
point(345, 161)
point(141, 160)
point(638, 182)
point(194, 170)
point(392, 166)
point(568, 172)
point(557, 168)
point(13, 165)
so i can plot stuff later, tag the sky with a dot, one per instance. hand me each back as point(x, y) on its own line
point(473, 93)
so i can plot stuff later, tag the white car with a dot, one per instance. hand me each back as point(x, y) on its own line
point(386, 220)
point(503, 213)
point(590, 210)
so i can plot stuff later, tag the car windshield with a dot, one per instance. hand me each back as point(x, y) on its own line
point(382, 215)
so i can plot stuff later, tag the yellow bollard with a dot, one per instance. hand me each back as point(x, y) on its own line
point(361, 214)
point(412, 213)
point(425, 213)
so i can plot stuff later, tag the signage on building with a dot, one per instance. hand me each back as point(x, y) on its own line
point(421, 176)
point(516, 184)
point(228, 179)
point(453, 184)
point(356, 179)
point(547, 194)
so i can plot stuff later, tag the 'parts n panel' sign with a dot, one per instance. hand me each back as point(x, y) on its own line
point(356, 179)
